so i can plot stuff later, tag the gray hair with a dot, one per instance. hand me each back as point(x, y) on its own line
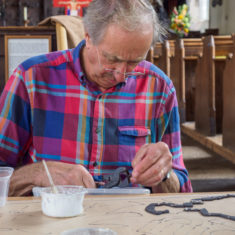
point(130, 14)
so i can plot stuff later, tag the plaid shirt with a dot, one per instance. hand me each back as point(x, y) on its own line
point(49, 110)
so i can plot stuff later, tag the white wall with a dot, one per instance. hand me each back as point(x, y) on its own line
point(199, 13)
point(223, 17)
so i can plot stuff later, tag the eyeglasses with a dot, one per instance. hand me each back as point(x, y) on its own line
point(143, 3)
point(113, 71)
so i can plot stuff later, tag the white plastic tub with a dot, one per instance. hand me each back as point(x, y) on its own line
point(67, 203)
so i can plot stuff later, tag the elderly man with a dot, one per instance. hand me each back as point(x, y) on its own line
point(94, 108)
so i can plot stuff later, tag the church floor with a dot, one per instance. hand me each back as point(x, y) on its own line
point(208, 171)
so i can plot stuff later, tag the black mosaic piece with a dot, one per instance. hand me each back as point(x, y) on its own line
point(188, 206)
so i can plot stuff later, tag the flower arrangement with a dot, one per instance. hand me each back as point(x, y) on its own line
point(180, 20)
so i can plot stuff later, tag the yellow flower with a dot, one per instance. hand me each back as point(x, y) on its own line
point(186, 30)
point(180, 16)
point(173, 26)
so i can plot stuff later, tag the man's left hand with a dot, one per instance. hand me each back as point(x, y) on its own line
point(151, 164)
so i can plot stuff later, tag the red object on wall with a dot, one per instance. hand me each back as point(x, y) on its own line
point(72, 7)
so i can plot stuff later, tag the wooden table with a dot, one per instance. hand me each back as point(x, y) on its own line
point(123, 214)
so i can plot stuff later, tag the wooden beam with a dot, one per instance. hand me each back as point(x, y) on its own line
point(213, 143)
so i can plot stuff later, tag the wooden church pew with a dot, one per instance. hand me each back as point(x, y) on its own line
point(209, 78)
point(184, 63)
point(162, 55)
point(149, 56)
point(229, 102)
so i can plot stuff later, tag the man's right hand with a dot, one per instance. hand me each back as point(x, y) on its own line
point(26, 177)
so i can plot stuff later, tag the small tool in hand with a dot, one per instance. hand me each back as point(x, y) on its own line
point(120, 178)
point(53, 187)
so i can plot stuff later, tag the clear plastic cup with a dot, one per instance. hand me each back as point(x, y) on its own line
point(5, 175)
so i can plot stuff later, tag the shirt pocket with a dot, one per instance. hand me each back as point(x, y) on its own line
point(131, 138)
point(134, 131)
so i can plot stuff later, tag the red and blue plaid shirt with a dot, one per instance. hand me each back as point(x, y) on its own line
point(49, 110)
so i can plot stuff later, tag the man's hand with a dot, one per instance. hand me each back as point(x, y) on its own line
point(150, 166)
point(26, 177)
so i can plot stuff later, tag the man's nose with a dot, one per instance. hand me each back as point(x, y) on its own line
point(122, 67)
point(121, 70)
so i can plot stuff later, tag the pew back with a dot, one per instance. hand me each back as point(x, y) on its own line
point(229, 102)
point(187, 52)
point(209, 77)
point(162, 54)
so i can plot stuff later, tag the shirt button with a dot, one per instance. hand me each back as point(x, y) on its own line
point(95, 164)
point(97, 130)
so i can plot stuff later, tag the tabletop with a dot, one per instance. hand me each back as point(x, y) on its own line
point(124, 214)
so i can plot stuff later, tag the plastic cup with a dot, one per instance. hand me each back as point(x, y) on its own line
point(67, 202)
point(5, 175)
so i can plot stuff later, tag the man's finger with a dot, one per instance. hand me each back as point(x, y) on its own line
point(152, 173)
point(148, 161)
point(139, 155)
point(88, 181)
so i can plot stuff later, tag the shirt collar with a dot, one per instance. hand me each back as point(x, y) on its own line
point(77, 62)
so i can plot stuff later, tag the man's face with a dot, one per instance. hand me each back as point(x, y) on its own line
point(118, 53)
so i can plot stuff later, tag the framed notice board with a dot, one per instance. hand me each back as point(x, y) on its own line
point(18, 48)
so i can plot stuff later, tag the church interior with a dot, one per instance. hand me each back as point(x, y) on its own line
point(197, 53)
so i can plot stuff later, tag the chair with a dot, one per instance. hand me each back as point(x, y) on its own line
point(69, 30)
point(61, 37)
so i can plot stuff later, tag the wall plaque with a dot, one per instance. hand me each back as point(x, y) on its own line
point(18, 48)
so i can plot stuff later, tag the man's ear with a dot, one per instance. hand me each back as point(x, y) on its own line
point(88, 40)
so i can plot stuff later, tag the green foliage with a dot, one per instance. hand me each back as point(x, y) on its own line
point(180, 20)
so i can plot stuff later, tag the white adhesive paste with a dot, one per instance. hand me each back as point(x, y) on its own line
point(68, 202)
